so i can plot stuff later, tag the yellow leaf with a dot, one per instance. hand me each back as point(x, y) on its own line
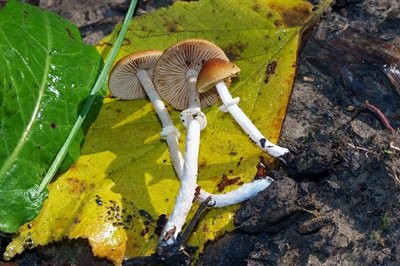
point(80, 204)
point(124, 179)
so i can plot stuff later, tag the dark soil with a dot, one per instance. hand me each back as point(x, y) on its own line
point(337, 201)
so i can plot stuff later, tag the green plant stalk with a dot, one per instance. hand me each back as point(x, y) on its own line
point(89, 102)
point(317, 13)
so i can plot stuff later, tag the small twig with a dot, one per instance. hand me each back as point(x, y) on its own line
point(317, 13)
point(313, 213)
point(193, 222)
point(391, 144)
point(380, 115)
point(360, 148)
point(396, 177)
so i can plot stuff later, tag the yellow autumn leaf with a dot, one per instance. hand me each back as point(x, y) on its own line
point(124, 179)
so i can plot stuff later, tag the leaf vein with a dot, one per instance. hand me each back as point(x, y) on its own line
point(14, 155)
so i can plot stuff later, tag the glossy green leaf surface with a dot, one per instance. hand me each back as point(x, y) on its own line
point(46, 72)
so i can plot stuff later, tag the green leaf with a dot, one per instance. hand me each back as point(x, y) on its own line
point(46, 72)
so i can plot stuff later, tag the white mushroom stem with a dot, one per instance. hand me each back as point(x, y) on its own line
point(230, 105)
point(169, 131)
point(188, 185)
point(243, 193)
point(194, 97)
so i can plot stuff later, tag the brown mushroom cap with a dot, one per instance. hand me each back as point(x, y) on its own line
point(123, 82)
point(170, 73)
point(213, 71)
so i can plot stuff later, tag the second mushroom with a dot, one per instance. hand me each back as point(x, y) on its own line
point(213, 73)
point(175, 78)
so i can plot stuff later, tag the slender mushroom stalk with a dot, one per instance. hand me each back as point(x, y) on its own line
point(213, 73)
point(175, 79)
point(131, 78)
point(243, 193)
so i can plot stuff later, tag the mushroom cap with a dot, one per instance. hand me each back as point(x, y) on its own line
point(213, 71)
point(123, 82)
point(170, 73)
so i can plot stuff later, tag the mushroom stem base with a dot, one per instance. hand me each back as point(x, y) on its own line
point(188, 183)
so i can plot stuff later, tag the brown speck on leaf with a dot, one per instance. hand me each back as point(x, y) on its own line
point(226, 182)
point(161, 221)
point(293, 16)
point(240, 161)
point(146, 215)
point(128, 218)
point(297, 15)
point(171, 26)
point(26, 13)
point(269, 15)
point(256, 7)
point(202, 163)
point(99, 201)
point(144, 231)
point(197, 192)
point(270, 70)
point(278, 23)
point(116, 224)
point(76, 186)
point(126, 42)
point(158, 231)
point(235, 50)
point(53, 125)
point(69, 32)
point(205, 228)
point(104, 44)
point(28, 243)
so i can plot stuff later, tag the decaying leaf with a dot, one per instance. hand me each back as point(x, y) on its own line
point(125, 162)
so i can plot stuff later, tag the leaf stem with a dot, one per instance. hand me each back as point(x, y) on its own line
point(89, 102)
point(321, 8)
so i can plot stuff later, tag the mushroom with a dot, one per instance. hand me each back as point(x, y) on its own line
point(213, 73)
point(175, 77)
point(131, 78)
